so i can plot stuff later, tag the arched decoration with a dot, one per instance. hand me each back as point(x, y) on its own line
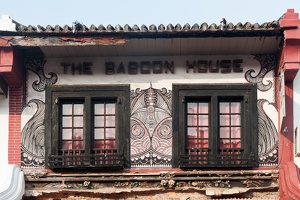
point(267, 137)
point(268, 63)
point(33, 136)
point(151, 128)
point(36, 65)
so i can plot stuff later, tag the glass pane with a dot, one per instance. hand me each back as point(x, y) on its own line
point(192, 107)
point(78, 109)
point(67, 134)
point(110, 121)
point(224, 120)
point(66, 145)
point(99, 144)
point(235, 120)
point(99, 133)
point(99, 109)
point(203, 108)
point(78, 134)
point(67, 109)
point(192, 132)
point(235, 143)
point(235, 107)
point(78, 144)
point(202, 143)
point(192, 120)
point(203, 120)
point(78, 121)
point(192, 143)
point(224, 107)
point(67, 121)
point(235, 132)
point(203, 132)
point(110, 133)
point(225, 132)
point(110, 108)
point(99, 121)
point(110, 144)
point(224, 143)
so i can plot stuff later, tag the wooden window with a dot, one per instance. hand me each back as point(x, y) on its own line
point(87, 126)
point(215, 126)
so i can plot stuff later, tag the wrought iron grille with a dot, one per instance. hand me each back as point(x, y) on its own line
point(104, 158)
point(229, 157)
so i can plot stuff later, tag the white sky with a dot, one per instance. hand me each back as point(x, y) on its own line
point(54, 12)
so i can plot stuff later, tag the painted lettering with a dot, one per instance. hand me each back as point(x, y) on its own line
point(143, 67)
point(87, 68)
point(223, 66)
point(65, 66)
point(133, 67)
point(81, 68)
point(237, 65)
point(121, 69)
point(157, 67)
point(109, 68)
point(169, 66)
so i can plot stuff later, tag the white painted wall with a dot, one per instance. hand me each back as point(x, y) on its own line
point(296, 105)
point(158, 81)
point(4, 113)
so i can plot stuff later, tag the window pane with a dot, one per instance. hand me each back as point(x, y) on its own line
point(110, 121)
point(224, 107)
point(67, 109)
point(99, 133)
point(78, 109)
point(203, 120)
point(110, 108)
point(192, 120)
point(78, 144)
point(67, 121)
point(110, 144)
point(99, 109)
point(203, 132)
point(225, 132)
point(67, 134)
point(192, 143)
point(78, 121)
point(235, 132)
point(224, 143)
point(99, 144)
point(110, 133)
point(66, 145)
point(192, 132)
point(202, 143)
point(235, 120)
point(203, 108)
point(99, 121)
point(235, 107)
point(78, 134)
point(235, 143)
point(192, 107)
point(224, 120)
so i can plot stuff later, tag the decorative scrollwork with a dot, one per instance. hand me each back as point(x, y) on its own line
point(267, 136)
point(33, 137)
point(151, 127)
point(36, 65)
point(268, 63)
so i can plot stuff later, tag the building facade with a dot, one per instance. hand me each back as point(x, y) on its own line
point(200, 111)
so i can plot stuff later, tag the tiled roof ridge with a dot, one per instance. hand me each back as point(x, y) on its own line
point(79, 27)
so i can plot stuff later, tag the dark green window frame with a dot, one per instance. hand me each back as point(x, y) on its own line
point(87, 157)
point(214, 156)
